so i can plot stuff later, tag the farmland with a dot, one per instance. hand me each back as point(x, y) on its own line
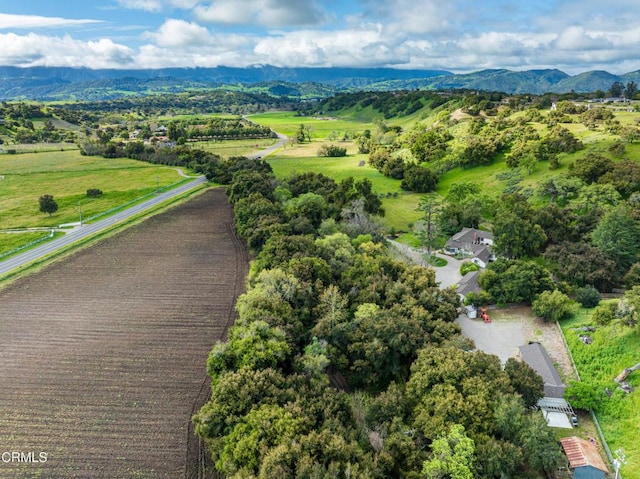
point(103, 353)
point(67, 176)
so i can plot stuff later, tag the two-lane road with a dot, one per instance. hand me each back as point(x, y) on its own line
point(93, 228)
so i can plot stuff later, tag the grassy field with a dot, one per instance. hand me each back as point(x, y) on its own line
point(400, 206)
point(67, 176)
point(229, 148)
point(9, 242)
point(612, 350)
point(321, 127)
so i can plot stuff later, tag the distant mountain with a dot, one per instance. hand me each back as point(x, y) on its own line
point(48, 84)
point(588, 81)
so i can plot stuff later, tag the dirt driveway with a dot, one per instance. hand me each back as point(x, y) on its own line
point(515, 326)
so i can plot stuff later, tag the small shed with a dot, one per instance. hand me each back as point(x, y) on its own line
point(584, 458)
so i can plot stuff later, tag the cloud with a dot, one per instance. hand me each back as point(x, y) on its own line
point(576, 38)
point(367, 46)
point(40, 50)
point(178, 33)
point(8, 21)
point(157, 5)
point(267, 13)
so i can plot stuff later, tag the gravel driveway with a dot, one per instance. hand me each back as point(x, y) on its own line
point(510, 327)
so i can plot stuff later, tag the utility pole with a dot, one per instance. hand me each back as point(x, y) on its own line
point(618, 461)
point(80, 211)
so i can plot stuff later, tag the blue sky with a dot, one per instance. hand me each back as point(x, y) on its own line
point(455, 35)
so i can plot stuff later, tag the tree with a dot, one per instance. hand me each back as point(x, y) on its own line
point(590, 168)
point(48, 204)
point(418, 179)
point(553, 305)
point(429, 205)
point(525, 381)
point(630, 90)
point(583, 395)
point(618, 237)
point(588, 296)
point(303, 133)
point(616, 89)
point(515, 233)
point(452, 456)
point(332, 151)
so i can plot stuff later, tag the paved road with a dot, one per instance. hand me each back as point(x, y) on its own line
point(93, 228)
point(90, 229)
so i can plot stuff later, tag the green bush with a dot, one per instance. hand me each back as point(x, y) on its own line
point(94, 192)
point(588, 297)
point(553, 305)
point(332, 151)
point(467, 267)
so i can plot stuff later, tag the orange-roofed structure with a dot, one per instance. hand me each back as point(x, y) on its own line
point(584, 458)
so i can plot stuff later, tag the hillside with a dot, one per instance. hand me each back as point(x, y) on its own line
point(50, 84)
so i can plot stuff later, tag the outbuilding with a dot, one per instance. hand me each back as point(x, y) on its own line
point(584, 458)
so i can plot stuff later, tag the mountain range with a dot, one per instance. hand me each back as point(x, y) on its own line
point(60, 83)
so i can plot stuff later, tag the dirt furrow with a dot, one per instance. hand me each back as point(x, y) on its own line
point(102, 356)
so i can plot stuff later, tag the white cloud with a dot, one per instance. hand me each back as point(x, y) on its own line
point(40, 50)
point(157, 5)
point(576, 38)
point(8, 21)
point(178, 33)
point(269, 13)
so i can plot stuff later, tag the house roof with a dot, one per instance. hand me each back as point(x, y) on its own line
point(537, 357)
point(470, 235)
point(582, 453)
point(484, 254)
point(469, 283)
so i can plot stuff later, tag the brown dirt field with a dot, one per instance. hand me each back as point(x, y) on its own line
point(102, 355)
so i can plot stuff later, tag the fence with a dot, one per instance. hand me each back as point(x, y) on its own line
point(591, 412)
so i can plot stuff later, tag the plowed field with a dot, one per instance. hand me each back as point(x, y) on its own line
point(102, 355)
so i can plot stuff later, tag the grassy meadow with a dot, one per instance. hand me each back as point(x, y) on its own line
point(321, 127)
point(67, 176)
point(229, 148)
point(613, 349)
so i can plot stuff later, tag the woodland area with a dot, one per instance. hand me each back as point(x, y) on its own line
point(346, 363)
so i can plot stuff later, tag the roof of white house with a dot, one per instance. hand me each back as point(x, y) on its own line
point(470, 235)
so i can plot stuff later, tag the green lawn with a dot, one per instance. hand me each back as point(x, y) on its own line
point(613, 349)
point(67, 176)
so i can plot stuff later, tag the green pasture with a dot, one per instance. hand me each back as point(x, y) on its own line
point(229, 148)
point(11, 241)
point(67, 176)
point(399, 205)
point(321, 127)
point(613, 349)
point(38, 147)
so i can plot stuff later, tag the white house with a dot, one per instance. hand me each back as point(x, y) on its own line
point(472, 243)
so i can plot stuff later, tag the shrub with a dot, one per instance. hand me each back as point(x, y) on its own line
point(588, 297)
point(467, 267)
point(94, 192)
point(553, 305)
point(332, 151)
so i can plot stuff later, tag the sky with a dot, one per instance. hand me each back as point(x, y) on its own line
point(455, 35)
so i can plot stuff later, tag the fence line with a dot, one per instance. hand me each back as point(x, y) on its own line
point(591, 411)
